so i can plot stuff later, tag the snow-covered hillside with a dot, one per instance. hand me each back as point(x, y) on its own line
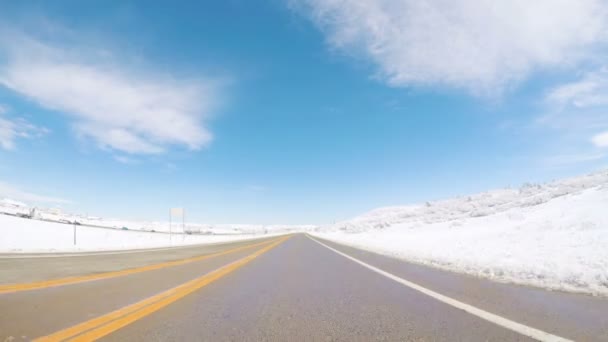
point(552, 235)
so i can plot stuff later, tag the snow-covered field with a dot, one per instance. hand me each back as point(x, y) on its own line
point(51, 230)
point(552, 235)
point(175, 227)
point(26, 235)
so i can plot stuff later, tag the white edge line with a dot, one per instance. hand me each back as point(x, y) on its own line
point(488, 316)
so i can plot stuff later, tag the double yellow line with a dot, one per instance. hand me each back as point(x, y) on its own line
point(79, 279)
point(108, 323)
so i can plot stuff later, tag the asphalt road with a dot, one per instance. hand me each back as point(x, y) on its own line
point(279, 289)
point(20, 268)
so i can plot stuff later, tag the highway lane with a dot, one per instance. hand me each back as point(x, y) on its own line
point(20, 268)
point(576, 316)
point(28, 314)
point(297, 290)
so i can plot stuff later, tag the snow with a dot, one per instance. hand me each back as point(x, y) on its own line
point(51, 230)
point(34, 236)
point(552, 235)
point(12, 203)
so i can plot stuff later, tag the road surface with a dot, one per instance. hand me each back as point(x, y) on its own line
point(289, 288)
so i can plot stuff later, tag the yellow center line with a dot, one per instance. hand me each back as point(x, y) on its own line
point(110, 322)
point(9, 288)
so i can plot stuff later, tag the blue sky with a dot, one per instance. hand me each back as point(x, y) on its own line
point(294, 111)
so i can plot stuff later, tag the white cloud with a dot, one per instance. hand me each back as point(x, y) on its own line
point(590, 90)
point(481, 46)
point(12, 192)
point(120, 108)
point(577, 158)
point(600, 140)
point(125, 160)
point(12, 129)
point(579, 107)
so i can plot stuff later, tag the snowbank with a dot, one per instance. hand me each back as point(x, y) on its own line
point(553, 235)
point(28, 235)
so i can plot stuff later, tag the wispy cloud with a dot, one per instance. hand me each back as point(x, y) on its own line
point(12, 129)
point(13, 192)
point(576, 158)
point(600, 140)
point(580, 107)
point(125, 160)
point(480, 46)
point(590, 90)
point(119, 107)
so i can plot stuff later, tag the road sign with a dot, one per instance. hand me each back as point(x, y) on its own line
point(175, 214)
